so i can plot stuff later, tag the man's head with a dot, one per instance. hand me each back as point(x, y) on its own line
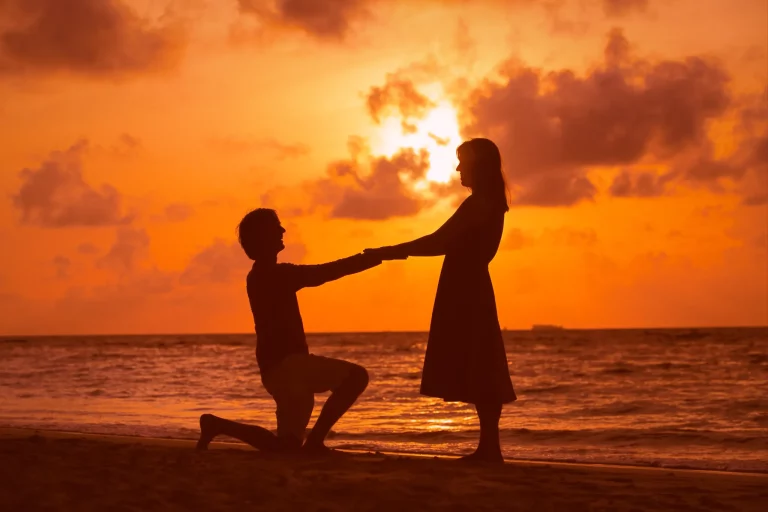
point(261, 234)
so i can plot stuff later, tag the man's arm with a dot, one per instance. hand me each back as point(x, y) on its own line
point(302, 276)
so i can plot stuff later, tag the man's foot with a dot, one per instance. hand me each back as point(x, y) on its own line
point(207, 431)
point(316, 450)
point(483, 457)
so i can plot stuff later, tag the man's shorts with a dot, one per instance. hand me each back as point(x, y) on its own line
point(293, 384)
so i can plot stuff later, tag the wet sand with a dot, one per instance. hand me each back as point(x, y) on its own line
point(44, 470)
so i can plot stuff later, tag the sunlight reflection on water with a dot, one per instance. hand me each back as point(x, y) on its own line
point(696, 398)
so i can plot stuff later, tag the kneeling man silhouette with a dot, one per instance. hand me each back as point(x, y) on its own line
point(288, 371)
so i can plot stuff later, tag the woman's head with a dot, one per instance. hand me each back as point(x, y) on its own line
point(480, 170)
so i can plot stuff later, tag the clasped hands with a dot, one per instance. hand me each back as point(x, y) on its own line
point(386, 253)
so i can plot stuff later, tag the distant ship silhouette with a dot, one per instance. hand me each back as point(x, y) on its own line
point(546, 327)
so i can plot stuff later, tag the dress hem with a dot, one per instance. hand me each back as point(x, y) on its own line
point(465, 400)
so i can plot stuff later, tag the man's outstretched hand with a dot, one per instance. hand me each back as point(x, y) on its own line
point(386, 253)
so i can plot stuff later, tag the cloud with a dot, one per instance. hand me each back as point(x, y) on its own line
point(325, 20)
point(127, 146)
point(87, 248)
point(565, 189)
point(639, 184)
point(381, 193)
point(89, 37)
point(337, 20)
point(224, 262)
point(745, 169)
point(752, 153)
point(515, 240)
point(178, 212)
point(62, 264)
point(55, 195)
point(130, 247)
point(552, 127)
point(398, 93)
point(616, 8)
point(571, 237)
point(233, 145)
point(221, 262)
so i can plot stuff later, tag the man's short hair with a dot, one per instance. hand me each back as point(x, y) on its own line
point(250, 231)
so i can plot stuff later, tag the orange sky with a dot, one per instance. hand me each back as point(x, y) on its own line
point(634, 135)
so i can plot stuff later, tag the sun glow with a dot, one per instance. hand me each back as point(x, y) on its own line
point(437, 132)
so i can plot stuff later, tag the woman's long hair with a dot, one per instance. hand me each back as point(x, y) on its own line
point(487, 174)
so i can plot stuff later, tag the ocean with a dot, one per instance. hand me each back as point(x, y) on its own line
point(690, 398)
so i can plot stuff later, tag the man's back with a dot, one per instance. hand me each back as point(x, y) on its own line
point(279, 328)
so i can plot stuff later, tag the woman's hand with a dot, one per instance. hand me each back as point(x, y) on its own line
point(386, 253)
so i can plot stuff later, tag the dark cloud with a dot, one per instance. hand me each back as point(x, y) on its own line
point(563, 189)
point(91, 37)
point(515, 239)
point(639, 184)
point(130, 247)
point(129, 141)
point(746, 166)
point(552, 127)
point(674, 234)
point(281, 150)
point(224, 262)
point(62, 264)
point(614, 8)
point(178, 212)
point(87, 248)
point(127, 146)
point(752, 153)
point(55, 195)
point(335, 20)
point(329, 20)
point(570, 237)
point(759, 198)
point(398, 93)
point(380, 193)
point(220, 262)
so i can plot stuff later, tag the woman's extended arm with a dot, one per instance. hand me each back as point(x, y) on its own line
point(434, 244)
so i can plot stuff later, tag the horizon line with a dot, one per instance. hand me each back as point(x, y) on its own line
point(253, 333)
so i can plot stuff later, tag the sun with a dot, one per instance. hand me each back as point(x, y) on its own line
point(437, 132)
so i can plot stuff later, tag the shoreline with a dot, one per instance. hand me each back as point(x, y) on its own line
point(49, 470)
point(23, 432)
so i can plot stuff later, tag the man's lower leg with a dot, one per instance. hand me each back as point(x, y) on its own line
point(338, 403)
point(258, 437)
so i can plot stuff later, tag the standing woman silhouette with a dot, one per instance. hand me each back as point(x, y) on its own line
point(465, 359)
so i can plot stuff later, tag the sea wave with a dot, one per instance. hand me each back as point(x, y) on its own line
point(684, 397)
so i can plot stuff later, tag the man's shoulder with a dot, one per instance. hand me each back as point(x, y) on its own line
point(271, 273)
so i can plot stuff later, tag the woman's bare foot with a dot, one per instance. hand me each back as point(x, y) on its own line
point(207, 431)
point(483, 457)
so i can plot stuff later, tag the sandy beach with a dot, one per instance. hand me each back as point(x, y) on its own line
point(46, 470)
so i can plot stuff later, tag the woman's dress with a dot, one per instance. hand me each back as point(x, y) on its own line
point(465, 359)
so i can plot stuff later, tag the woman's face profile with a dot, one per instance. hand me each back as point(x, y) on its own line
point(466, 167)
